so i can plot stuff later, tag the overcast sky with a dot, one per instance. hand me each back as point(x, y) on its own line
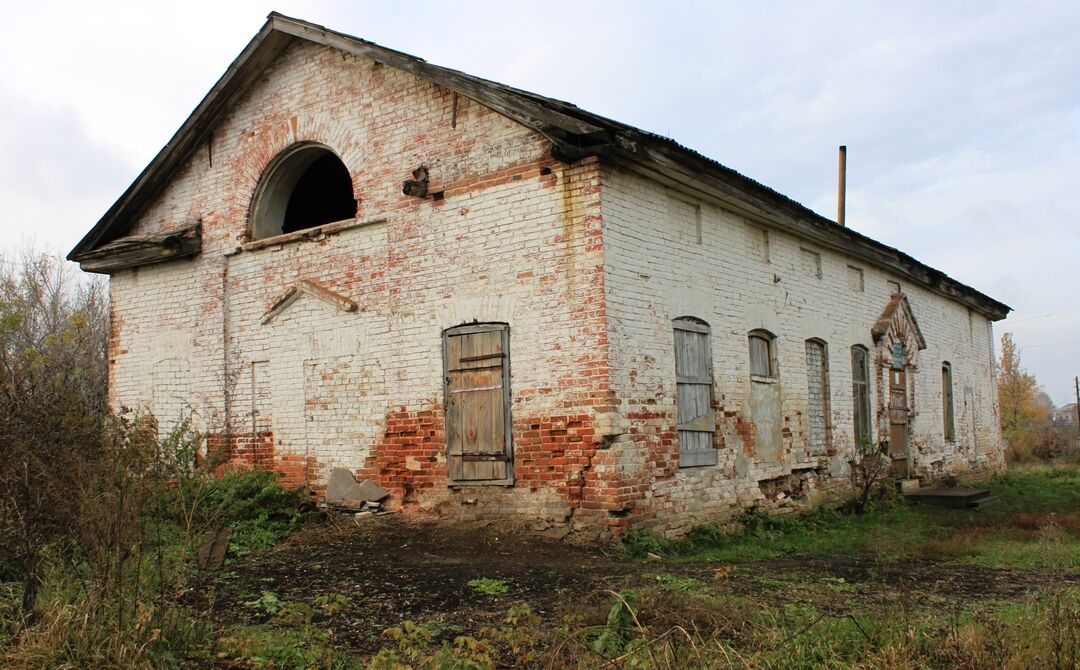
point(962, 118)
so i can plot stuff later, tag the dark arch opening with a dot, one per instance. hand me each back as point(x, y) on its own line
point(304, 187)
point(322, 195)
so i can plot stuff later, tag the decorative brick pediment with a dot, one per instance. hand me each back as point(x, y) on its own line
point(308, 287)
point(898, 323)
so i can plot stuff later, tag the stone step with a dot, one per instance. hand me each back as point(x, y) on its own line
point(955, 498)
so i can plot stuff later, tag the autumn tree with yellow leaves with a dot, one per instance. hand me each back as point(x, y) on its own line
point(1023, 416)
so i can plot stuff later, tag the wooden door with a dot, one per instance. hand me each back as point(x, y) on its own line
point(477, 364)
point(693, 394)
point(898, 422)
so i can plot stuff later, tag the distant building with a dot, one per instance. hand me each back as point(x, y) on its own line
point(497, 304)
point(1064, 417)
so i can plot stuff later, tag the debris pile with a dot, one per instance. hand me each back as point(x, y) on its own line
point(345, 496)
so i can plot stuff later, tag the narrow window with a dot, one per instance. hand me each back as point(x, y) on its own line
point(477, 363)
point(947, 409)
point(693, 393)
point(817, 382)
point(762, 354)
point(860, 394)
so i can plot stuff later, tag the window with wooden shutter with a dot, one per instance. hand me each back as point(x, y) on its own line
point(762, 357)
point(860, 394)
point(476, 359)
point(693, 393)
point(947, 409)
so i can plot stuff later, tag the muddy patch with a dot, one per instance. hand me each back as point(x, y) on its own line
point(391, 569)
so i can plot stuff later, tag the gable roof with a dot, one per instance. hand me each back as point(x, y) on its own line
point(897, 303)
point(574, 132)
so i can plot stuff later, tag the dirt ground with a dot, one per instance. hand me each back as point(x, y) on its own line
point(394, 568)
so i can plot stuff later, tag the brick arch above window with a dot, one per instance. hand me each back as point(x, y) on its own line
point(304, 186)
point(763, 362)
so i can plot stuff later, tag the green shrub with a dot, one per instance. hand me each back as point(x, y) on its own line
point(490, 587)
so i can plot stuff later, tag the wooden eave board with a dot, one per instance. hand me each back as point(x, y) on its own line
point(563, 123)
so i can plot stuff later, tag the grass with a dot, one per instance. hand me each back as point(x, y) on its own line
point(490, 587)
point(685, 611)
point(271, 646)
point(1035, 525)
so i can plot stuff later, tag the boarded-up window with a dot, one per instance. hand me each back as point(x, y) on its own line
point(685, 218)
point(947, 409)
point(693, 393)
point(260, 396)
point(762, 357)
point(758, 243)
point(860, 394)
point(477, 363)
point(855, 278)
point(817, 382)
point(811, 263)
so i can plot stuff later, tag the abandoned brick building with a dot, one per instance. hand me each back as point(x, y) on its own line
point(558, 316)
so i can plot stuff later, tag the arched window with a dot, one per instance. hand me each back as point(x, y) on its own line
point(762, 354)
point(947, 410)
point(817, 388)
point(860, 394)
point(307, 185)
point(696, 419)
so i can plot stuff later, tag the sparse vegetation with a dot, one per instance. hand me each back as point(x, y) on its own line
point(102, 520)
point(490, 587)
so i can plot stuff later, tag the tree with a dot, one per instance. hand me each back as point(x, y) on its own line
point(1022, 413)
point(53, 398)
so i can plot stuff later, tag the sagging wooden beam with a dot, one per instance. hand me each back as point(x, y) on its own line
point(137, 250)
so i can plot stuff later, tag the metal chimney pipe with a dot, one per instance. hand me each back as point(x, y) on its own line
point(841, 187)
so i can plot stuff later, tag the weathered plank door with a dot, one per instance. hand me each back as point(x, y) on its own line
point(477, 363)
point(898, 422)
point(693, 394)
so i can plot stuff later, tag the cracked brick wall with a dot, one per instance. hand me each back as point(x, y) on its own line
point(312, 385)
point(587, 264)
point(737, 276)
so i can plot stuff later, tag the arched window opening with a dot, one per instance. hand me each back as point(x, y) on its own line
point(818, 401)
point(947, 409)
point(860, 394)
point(762, 354)
point(304, 187)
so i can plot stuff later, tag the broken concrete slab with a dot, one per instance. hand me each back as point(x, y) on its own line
point(342, 490)
point(372, 492)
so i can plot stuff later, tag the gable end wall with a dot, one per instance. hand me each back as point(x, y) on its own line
point(516, 240)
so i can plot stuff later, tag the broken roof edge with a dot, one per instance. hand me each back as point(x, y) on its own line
point(574, 133)
point(194, 129)
point(766, 207)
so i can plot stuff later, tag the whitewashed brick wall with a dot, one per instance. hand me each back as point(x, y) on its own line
point(589, 276)
point(741, 277)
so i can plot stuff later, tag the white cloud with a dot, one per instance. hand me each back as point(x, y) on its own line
point(961, 118)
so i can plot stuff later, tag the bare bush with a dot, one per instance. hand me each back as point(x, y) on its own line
point(869, 471)
point(53, 341)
